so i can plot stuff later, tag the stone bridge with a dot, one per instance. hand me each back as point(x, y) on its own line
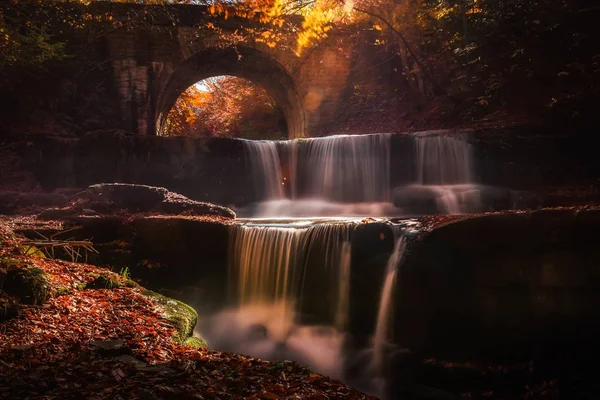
point(154, 64)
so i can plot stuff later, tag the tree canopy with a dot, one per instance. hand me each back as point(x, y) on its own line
point(479, 55)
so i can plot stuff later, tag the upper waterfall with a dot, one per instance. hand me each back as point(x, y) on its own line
point(443, 160)
point(352, 175)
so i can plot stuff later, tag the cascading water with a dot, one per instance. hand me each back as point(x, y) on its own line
point(272, 262)
point(444, 175)
point(382, 335)
point(443, 160)
point(263, 260)
point(336, 175)
point(343, 303)
point(350, 176)
point(292, 276)
point(283, 275)
point(343, 168)
point(266, 168)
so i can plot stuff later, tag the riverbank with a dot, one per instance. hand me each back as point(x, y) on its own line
point(72, 329)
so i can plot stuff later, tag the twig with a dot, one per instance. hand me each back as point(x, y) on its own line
point(71, 247)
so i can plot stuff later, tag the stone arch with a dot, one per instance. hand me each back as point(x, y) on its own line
point(243, 62)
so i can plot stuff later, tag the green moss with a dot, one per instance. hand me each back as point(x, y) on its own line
point(179, 314)
point(60, 290)
point(103, 282)
point(31, 251)
point(109, 280)
point(196, 342)
point(28, 283)
point(9, 261)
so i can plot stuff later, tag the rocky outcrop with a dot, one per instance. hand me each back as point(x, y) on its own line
point(502, 283)
point(161, 252)
point(112, 198)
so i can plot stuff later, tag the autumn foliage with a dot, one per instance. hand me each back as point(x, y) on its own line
point(225, 106)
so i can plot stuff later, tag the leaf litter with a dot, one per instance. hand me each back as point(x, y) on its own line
point(116, 344)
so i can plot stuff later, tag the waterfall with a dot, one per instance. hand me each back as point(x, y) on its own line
point(349, 176)
point(266, 168)
point(342, 168)
point(279, 274)
point(335, 168)
point(263, 260)
point(384, 312)
point(343, 302)
point(444, 169)
point(443, 160)
point(270, 264)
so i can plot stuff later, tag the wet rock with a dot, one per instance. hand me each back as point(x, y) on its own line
point(175, 203)
point(176, 251)
point(463, 198)
point(415, 199)
point(501, 284)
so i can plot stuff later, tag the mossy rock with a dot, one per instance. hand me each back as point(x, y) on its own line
point(196, 342)
point(103, 282)
point(28, 283)
point(179, 314)
point(109, 280)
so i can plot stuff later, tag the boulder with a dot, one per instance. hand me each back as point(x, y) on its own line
point(111, 198)
point(125, 196)
point(26, 282)
point(183, 317)
point(502, 284)
point(175, 203)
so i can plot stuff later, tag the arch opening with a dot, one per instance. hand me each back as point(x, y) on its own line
point(244, 63)
point(226, 106)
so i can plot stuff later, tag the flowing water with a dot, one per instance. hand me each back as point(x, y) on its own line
point(383, 335)
point(350, 176)
point(277, 264)
point(445, 171)
point(443, 160)
point(341, 168)
point(291, 288)
point(266, 168)
point(292, 276)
